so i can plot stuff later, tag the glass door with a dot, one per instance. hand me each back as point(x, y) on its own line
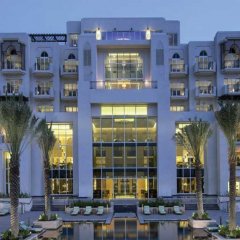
point(125, 188)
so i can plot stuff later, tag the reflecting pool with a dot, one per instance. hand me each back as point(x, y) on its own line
point(126, 228)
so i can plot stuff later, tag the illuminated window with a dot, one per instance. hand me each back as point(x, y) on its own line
point(45, 108)
point(185, 164)
point(175, 108)
point(71, 108)
point(61, 160)
point(124, 110)
point(73, 40)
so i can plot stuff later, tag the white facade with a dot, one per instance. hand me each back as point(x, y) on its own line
point(121, 62)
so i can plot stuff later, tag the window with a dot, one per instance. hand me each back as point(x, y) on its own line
point(123, 66)
point(129, 110)
point(45, 108)
point(71, 56)
point(175, 108)
point(61, 159)
point(73, 40)
point(176, 55)
point(173, 39)
point(159, 57)
point(12, 87)
point(87, 57)
point(70, 89)
point(203, 53)
point(44, 54)
point(43, 88)
point(71, 108)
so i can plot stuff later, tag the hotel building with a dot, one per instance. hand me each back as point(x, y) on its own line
point(116, 91)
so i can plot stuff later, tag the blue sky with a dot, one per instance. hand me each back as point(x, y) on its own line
point(200, 19)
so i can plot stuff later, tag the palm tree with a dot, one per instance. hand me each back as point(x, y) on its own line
point(228, 118)
point(46, 141)
point(16, 121)
point(194, 137)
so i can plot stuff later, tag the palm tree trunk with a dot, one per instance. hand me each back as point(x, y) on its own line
point(232, 195)
point(198, 172)
point(14, 195)
point(46, 187)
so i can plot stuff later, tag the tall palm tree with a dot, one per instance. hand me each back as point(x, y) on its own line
point(46, 141)
point(228, 118)
point(194, 137)
point(16, 121)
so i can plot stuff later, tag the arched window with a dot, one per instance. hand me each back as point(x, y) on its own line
point(71, 56)
point(13, 52)
point(44, 54)
point(203, 53)
point(175, 55)
point(232, 50)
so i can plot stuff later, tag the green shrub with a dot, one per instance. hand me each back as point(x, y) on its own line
point(7, 235)
point(224, 231)
point(44, 217)
point(205, 216)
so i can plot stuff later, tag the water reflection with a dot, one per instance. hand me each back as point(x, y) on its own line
point(127, 229)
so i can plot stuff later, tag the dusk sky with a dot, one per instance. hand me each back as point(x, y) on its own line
point(199, 19)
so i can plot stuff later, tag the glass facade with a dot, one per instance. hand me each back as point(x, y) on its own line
point(124, 155)
point(185, 164)
point(61, 161)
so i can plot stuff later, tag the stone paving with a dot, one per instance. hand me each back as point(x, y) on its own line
point(29, 217)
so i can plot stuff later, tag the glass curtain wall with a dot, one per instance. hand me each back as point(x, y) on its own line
point(124, 153)
point(61, 161)
point(185, 163)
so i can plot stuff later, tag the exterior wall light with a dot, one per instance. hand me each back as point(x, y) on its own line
point(148, 34)
point(98, 34)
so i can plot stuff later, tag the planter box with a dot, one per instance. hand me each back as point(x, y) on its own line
point(25, 204)
point(49, 224)
point(199, 223)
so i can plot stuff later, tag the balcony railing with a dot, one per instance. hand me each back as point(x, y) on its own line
point(204, 66)
point(43, 92)
point(69, 94)
point(178, 69)
point(206, 91)
point(179, 93)
point(43, 67)
point(232, 89)
point(12, 67)
point(124, 35)
point(69, 68)
point(12, 90)
point(125, 84)
point(231, 64)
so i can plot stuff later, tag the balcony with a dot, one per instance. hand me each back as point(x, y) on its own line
point(231, 66)
point(12, 67)
point(69, 95)
point(43, 93)
point(179, 93)
point(178, 70)
point(69, 69)
point(43, 67)
point(205, 91)
point(233, 89)
point(12, 91)
point(123, 84)
point(204, 68)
